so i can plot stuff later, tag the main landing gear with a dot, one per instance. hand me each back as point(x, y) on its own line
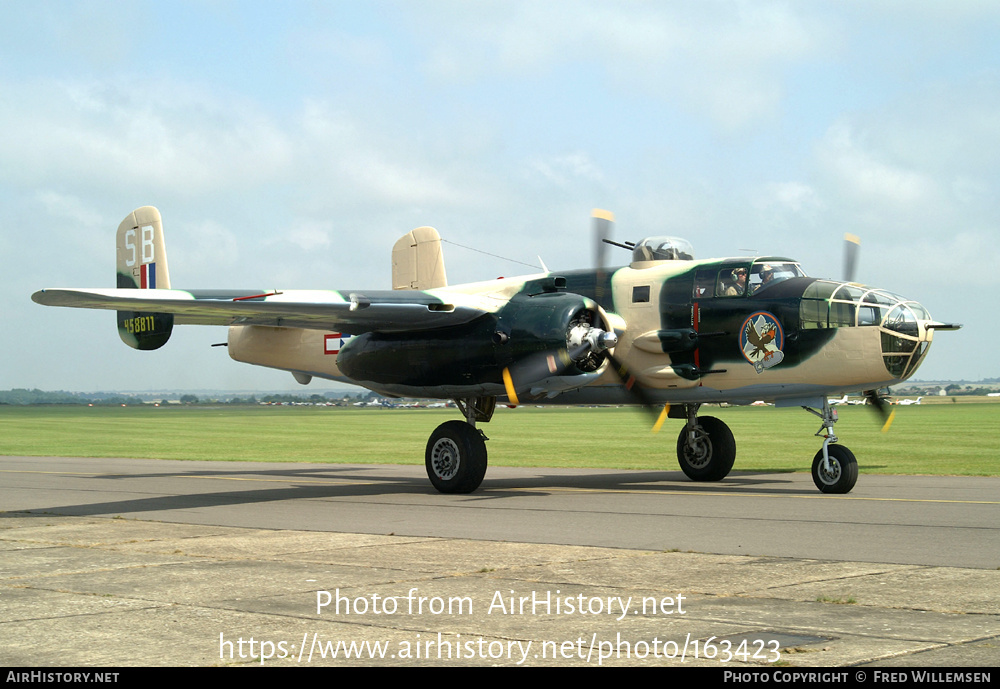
point(456, 451)
point(706, 448)
point(456, 457)
point(834, 468)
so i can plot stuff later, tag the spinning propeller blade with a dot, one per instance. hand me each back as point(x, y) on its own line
point(602, 222)
point(852, 247)
point(640, 394)
point(534, 368)
point(521, 375)
point(881, 407)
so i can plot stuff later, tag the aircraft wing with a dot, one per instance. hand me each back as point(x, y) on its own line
point(352, 312)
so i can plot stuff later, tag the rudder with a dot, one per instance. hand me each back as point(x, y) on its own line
point(417, 261)
point(142, 264)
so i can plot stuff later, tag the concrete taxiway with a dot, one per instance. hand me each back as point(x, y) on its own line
point(144, 562)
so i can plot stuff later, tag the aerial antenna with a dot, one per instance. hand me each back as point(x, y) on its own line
point(502, 258)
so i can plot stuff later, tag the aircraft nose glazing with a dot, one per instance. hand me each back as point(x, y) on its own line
point(904, 338)
point(902, 324)
point(905, 327)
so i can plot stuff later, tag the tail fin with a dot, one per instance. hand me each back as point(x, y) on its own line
point(142, 264)
point(417, 261)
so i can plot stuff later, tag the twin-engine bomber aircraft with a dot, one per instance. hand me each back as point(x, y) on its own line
point(665, 331)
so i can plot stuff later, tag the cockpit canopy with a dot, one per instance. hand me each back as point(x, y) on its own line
point(661, 249)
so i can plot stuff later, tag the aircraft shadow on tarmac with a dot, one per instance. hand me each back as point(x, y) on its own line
point(354, 482)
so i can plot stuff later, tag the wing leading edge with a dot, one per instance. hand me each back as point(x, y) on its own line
point(352, 312)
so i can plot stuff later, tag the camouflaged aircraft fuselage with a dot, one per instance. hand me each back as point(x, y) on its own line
point(682, 336)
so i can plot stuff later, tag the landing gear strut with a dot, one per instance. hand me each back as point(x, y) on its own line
point(456, 455)
point(834, 468)
point(706, 448)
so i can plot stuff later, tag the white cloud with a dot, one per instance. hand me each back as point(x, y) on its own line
point(307, 235)
point(922, 164)
point(865, 174)
point(135, 135)
point(794, 196)
point(202, 252)
point(567, 170)
point(358, 164)
point(71, 208)
point(725, 60)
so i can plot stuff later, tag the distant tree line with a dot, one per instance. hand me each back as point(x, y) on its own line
point(952, 390)
point(21, 396)
point(274, 398)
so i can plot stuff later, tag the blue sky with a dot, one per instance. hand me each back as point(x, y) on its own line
point(288, 145)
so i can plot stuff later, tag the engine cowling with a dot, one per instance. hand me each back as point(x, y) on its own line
point(469, 360)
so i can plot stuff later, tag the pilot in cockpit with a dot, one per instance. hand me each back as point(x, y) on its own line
point(766, 273)
point(739, 283)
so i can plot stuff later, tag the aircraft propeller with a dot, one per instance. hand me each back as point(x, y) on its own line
point(852, 248)
point(582, 341)
point(602, 223)
point(881, 407)
point(645, 400)
point(852, 252)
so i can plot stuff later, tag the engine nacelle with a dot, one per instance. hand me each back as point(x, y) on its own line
point(468, 360)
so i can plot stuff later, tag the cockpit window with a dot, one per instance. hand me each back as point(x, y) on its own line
point(728, 281)
point(732, 282)
point(763, 275)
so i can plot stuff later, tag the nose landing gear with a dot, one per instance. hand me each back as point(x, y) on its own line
point(834, 468)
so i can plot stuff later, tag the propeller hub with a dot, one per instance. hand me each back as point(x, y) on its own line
point(584, 339)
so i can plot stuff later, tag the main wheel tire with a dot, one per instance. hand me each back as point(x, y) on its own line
point(711, 456)
point(456, 458)
point(843, 472)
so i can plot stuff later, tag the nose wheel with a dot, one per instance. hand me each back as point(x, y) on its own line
point(837, 472)
point(834, 468)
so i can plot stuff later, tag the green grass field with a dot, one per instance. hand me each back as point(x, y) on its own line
point(942, 439)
